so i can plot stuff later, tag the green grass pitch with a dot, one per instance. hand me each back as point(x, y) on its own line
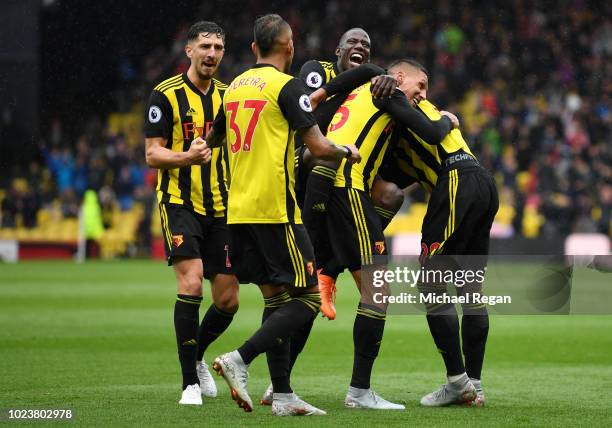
point(98, 338)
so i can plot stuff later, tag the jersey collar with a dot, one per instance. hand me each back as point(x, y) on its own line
point(260, 65)
point(195, 89)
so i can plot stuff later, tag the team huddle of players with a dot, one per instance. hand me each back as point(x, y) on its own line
point(286, 182)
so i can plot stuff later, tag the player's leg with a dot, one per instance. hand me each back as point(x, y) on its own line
point(287, 264)
point(475, 319)
point(297, 342)
point(288, 403)
point(318, 190)
point(224, 291)
point(301, 275)
point(233, 365)
point(273, 338)
point(218, 317)
point(300, 336)
point(444, 214)
point(357, 239)
point(328, 272)
point(319, 185)
point(387, 199)
point(186, 319)
point(182, 234)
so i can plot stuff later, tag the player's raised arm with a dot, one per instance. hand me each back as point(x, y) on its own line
point(158, 129)
point(382, 87)
point(432, 131)
point(323, 148)
point(296, 108)
point(158, 156)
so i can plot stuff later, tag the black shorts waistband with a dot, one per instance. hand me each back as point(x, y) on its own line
point(459, 160)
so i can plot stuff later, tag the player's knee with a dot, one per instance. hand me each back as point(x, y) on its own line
point(228, 302)
point(225, 292)
point(388, 196)
point(190, 284)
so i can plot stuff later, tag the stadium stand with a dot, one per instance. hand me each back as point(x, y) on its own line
point(532, 96)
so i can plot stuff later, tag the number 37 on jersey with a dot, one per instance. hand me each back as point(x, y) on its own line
point(244, 138)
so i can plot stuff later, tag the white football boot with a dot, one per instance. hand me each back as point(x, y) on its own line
point(292, 405)
point(358, 398)
point(267, 397)
point(461, 392)
point(235, 373)
point(480, 396)
point(207, 383)
point(192, 395)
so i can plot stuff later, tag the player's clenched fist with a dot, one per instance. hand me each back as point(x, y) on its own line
point(454, 120)
point(199, 152)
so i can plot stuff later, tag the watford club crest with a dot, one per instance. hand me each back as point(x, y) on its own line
point(379, 246)
point(310, 268)
point(177, 240)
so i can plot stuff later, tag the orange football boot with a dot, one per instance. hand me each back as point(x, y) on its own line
point(327, 289)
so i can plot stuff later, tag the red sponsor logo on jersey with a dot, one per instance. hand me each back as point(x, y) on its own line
point(379, 246)
point(310, 268)
point(177, 240)
point(191, 131)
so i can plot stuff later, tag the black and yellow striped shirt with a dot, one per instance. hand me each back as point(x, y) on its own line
point(360, 122)
point(368, 123)
point(179, 112)
point(421, 159)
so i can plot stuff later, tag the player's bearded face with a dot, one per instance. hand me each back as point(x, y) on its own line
point(206, 53)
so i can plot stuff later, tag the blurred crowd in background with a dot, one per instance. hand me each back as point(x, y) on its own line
point(531, 82)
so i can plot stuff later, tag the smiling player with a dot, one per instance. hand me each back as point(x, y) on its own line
point(192, 202)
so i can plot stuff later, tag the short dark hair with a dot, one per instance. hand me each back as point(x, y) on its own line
point(266, 30)
point(410, 62)
point(205, 27)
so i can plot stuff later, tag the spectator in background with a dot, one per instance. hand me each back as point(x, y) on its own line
point(124, 188)
point(532, 83)
point(9, 208)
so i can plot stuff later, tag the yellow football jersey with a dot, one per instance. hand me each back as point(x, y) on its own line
point(262, 108)
point(358, 121)
point(422, 160)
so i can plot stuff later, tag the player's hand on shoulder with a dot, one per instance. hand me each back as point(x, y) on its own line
point(317, 97)
point(199, 152)
point(383, 86)
point(355, 156)
point(454, 120)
